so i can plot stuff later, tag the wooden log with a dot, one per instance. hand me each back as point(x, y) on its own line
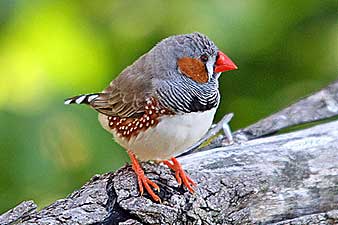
point(281, 179)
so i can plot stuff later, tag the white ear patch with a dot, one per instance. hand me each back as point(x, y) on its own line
point(210, 65)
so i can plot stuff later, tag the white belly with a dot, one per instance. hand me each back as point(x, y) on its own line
point(171, 136)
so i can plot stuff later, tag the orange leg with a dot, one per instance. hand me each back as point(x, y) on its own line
point(142, 179)
point(180, 174)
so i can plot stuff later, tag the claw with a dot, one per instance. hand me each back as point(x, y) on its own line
point(180, 174)
point(142, 180)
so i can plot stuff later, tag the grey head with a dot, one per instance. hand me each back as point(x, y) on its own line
point(165, 55)
point(184, 74)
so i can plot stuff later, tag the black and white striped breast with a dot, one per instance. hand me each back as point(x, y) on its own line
point(186, 96)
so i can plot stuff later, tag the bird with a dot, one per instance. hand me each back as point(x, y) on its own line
point(162, 103)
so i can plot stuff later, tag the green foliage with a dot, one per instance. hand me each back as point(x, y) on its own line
point(50, 50)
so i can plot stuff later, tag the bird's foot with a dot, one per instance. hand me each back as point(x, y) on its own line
point(180, 174)
point(142, 179)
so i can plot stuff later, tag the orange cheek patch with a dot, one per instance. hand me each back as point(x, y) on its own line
point(194, 69)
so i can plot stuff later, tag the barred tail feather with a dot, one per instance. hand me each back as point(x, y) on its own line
point(81, 99)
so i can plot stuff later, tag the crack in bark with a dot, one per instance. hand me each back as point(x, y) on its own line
point(116, 213)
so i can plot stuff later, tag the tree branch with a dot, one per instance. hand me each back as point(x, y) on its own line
point(321, 105)
point(283, 179)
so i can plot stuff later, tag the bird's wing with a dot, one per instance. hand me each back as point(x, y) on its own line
point(118, 100)
point(125, 97)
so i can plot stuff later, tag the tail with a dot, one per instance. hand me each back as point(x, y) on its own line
point(81, 99)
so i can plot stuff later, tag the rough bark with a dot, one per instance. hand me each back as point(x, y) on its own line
point(281, 179)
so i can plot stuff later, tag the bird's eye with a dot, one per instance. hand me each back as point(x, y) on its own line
point(204, 58)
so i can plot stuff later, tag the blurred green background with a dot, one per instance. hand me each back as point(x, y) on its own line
point(50, 50)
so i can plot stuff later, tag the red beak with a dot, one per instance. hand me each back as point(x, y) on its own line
point(224, 63)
